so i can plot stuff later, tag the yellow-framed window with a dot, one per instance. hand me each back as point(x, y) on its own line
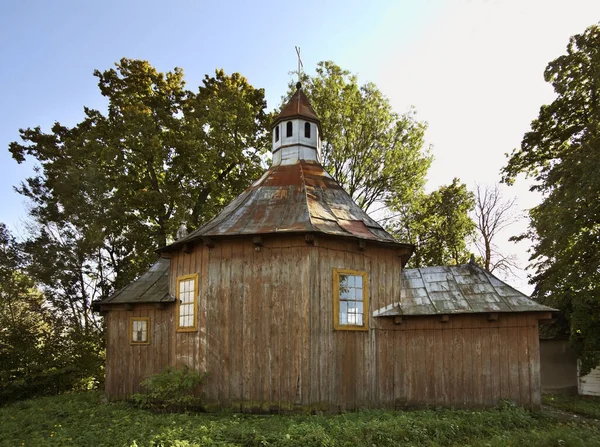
point(187, 303)
point(139, 330)
point(350, 300)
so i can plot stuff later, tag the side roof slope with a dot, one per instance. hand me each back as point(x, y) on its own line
point(151, 287)
point(461, 289)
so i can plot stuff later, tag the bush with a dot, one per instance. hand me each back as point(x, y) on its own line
point(172, 390)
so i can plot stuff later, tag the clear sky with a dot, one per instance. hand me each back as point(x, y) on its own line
point(472, 69)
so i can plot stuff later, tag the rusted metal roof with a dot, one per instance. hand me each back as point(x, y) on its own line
point(460, 289)
point(151, 287)
point(301, 197)
point(297, 107)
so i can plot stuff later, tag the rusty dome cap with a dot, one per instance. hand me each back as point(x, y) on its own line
point(298, 107)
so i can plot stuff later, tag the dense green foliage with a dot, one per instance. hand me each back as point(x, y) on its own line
point(80, 420)
point(561, 153)
point(373, 152)
point(171, 390)
point(39, 352)
point(438, 224)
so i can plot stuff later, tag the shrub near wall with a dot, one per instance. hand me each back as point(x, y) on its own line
point(173, 390)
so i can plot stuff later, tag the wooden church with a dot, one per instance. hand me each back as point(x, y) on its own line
point(293, 298)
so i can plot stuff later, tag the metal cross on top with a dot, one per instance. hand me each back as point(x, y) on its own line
point(300, 65)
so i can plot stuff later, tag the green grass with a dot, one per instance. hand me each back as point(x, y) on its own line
point(586, 406)
point(82, 420)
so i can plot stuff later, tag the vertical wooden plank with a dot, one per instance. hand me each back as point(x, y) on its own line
point(504, 361)
point(486, 363)
point(495, 363)
point(236, 323)
point(306, 325)
point(316, 310)
point(280, 298)
point(203, 302)
point(469, 358)
point(213, 336)
point(456, 384)
point(247, 341)
point(223, 343)
point(438, 349)
point(524, 362)
point(513, 358)
point(534, 362)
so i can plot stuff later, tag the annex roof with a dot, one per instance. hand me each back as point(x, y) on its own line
point(461, 289)
point(151, 287)
point(300, 197)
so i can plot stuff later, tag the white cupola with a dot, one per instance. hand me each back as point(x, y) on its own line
point(296, 132)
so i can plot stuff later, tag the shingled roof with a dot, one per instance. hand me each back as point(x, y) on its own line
point(297, 198)
point(461, 289)
point(151, 287)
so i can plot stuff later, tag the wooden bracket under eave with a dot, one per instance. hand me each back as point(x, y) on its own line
point(445, 318)
point(362, 245)
point(398, 319)
point(208, 242)
point(309, 239)
point(257, 241)
point(160, 305)
point(188, 247)
point(128, 306)
point(493, 316)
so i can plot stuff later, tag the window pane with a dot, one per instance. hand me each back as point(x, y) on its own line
point(351, 280)
point(359, 281)
point(343, 281)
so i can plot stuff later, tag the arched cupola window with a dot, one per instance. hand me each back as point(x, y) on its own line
point(277, 133)
point(307, 130)
point(289, 129)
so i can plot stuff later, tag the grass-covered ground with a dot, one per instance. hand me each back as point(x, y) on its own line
point(83, 420)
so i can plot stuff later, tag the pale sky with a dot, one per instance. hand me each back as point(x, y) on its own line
point(472, 69)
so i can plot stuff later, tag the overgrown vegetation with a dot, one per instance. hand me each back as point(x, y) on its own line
point(81, 420)
point(586, 406)
point(171, 390)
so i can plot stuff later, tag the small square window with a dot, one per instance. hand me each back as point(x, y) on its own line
point(139, 330)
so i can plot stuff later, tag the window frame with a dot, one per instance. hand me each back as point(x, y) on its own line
point(276, 133)
point(289, 129)
point(336, 300)
point(193, 328)
point(131, 321)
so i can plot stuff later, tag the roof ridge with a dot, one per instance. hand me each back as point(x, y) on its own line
point(303, 178)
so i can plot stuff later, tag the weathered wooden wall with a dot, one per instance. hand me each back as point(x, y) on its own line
point(126, 364)
point(467, 361)
point(266, 336)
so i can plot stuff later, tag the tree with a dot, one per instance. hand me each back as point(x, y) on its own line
point(38, 353)
point(116, 186)
point(561, 153)
point(438, 224)
point(493, 214)
point(374, 153)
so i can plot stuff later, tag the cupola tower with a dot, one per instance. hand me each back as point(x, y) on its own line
point(296, 132)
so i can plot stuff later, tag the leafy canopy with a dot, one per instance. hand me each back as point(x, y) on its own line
point(374, 153)
point(561, 153)
point(438, 224)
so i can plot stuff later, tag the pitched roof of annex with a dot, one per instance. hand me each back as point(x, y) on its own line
point(457, 289)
